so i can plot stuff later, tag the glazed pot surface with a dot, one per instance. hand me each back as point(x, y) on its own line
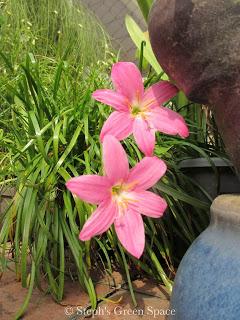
point(207, 284)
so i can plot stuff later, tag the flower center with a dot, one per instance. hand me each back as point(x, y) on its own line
point(139, 111)
point(136, 110)
point(116, 190)
point(122, 197)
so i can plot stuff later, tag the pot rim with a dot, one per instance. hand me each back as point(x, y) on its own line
point(204, 163)
point(226, 208)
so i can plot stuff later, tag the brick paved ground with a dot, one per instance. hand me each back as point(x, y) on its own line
point(152, 300)
point(112, 15)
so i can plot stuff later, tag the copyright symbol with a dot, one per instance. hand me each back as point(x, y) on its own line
point(68, 311)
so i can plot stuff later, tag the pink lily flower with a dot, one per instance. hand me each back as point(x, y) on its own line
point(139, 112)
point(121, 196)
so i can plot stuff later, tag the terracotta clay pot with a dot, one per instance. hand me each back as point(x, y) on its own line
point(197, 42)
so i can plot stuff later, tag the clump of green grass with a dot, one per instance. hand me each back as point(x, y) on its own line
point(51, 29)
point(51, 135)
point(56, 31)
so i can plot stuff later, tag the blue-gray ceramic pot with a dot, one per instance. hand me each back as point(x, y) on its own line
point(207, 284)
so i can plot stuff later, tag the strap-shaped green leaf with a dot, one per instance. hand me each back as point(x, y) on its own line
point(69, 148)
point(138, 36)
point(145, 6)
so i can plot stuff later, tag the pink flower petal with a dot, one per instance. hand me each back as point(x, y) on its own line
point(168, 121)
point(159, 93)
point(100, 221)
point(115, 160)
point(146, 173)
point(130, 231)
point(144, 136)
point(90, 188)
point(119, 125)
point(148, 203)
point(127, 80)
point(112, 98)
